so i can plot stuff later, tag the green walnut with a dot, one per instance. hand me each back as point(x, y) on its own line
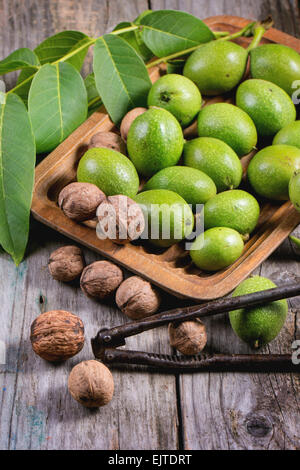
point(271, 169)
point(111, 171)
point(229, 123)
point(235, 209)
point(178, 95)
point(216, 67)
point(259, 325)
point(276, 63)
point(193, 185)
point(288, 135)
point(154, 141)
point(267, 104)
point(216, 248)
point(170, 218)
point(216, 159)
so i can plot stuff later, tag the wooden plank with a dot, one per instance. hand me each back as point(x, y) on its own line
point(36, 411)
point(244, 411)
point(219, 410)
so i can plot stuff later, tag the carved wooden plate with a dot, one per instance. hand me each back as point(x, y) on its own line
point(171, 269)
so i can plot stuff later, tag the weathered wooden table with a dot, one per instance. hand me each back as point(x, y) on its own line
point(149, 411)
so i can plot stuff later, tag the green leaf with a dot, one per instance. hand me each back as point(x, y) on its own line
point(52, 49)
point(19, 59)
point(57, 46)
point(17, 160)
point(134, 38)
point(168, 31)
point(90, 86)
point(141, 16)
point(23, 90)
point(94, 100)
point(121, 76)
point(57, 104)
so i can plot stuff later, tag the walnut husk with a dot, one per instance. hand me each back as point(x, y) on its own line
point(100, 279)
point(79, 201)
point(109, 140)
point(57, 335)
point(137, 298)
point(120, 219)
point(66, 263)
point(188, 337)
point(91, 384)
point(128, 120)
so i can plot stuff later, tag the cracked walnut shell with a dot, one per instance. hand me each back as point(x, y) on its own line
point(57, 335)
point(79, 201)
point(137, 298)
point(120, 219)
point(128, 120)
point(91, 384)
point(66, 263)
point(188, 337)
point(109, 140)
point(100, 279)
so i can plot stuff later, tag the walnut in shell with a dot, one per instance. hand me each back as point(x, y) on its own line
point(188, 337)
point(100, 279)
point(79, 201)
point(120, 219)
point(91, 384)
point(137, 298)
point(109, 140)
point(128, 120)
point(66, 263)
point(57, 335)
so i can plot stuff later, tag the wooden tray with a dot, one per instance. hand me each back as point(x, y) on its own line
point(170, 269)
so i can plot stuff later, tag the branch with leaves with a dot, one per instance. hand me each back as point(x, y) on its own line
point(51, 99)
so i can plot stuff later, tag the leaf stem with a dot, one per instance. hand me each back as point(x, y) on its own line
point(295, 240)
point(126, 30)
point(258, 30)
point(220, 34)
point(94, 101)
point(242, 32)
point(238, 34)
point(74, 52)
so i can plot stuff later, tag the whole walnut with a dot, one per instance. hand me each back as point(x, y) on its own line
point(120, 219)
point(91, 384)
point(108, 139)
point(188, 337)
point(57, 335)
point(137, 298)
point(128, 120)
point(100, 279)
point(79, 201)
point(66, 263)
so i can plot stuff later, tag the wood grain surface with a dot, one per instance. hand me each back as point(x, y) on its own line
point(149, 411)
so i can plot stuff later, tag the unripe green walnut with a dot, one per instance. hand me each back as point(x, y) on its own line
point(155, 141)
point(260, 324)
point(178, 95)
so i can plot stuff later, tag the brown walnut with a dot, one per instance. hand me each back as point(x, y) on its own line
point(66, 263)
point(91, 384)
point(79, 201)
point(109, 140)
point(188, 337)
point(100, 279)
point(120, 219)
point(128, 120)
point(137, 298)
point(57, 335)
